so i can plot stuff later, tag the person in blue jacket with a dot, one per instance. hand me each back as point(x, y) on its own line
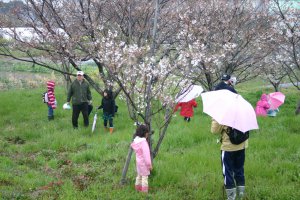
point(225, 84)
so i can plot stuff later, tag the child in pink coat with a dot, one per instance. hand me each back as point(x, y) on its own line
point(143, 158)
point(262, 106)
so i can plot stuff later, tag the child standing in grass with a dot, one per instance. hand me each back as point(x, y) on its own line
point(51, 99)
point(143, 158)
point(108, 105)
point(187, 110)
point(262, 106)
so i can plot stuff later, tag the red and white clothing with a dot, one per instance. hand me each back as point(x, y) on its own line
point(51, 95)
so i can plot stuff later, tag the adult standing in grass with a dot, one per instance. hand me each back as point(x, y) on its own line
point(225, 84)
point(81, 98)
point(233, 159)
point(51, 99)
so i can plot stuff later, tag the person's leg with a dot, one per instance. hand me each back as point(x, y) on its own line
point(75, 115)
point(138, 183)
point(85, 113)
point(239, 175)
point(227, 169)
point(111, 125)
point(50, 113)
point(144, 184)
point(188, 119)
point(105, 123)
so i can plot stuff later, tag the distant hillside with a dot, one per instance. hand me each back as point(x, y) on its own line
point(9, 12)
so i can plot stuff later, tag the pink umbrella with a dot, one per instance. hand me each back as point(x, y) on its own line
point(229, 109)
point(276, 99)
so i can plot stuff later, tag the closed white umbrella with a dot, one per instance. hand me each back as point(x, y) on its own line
point(94, 122)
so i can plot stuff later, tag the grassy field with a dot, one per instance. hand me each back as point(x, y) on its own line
point(49, 160)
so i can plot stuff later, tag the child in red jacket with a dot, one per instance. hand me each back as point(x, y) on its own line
point(187, 110)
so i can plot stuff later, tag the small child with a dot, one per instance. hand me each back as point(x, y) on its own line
point(186, 109)
point(143, 158)
point(108, 105)
point(262, 106)
point(51, 99)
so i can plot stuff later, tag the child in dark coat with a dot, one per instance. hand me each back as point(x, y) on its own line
point(108, 105)
point(187, 110)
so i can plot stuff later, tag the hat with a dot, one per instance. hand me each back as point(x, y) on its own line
point(50, 84)
point(80, 73)
point(225, 77)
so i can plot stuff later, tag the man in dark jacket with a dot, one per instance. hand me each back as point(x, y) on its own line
point(81, 98)
point(224, 84)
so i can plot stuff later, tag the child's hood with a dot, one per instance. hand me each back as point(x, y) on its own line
point(137, 142)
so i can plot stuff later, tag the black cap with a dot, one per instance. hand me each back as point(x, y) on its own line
point(225, 77)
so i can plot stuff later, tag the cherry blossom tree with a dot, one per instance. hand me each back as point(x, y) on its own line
point(287, 27)
point(219, 37)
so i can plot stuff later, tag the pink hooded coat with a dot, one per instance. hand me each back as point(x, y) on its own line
point(143, 159)
point(262, 106)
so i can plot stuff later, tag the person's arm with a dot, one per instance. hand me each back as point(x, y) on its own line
point(101, 106)
point(88, 92)
point(146, 154)
point(216, 128)
point(195, 103)
point(114, 107)
point(70, 93)
point(176, 108)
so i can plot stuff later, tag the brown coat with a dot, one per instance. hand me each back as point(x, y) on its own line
point(217, 128)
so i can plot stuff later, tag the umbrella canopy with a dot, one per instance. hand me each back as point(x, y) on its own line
point(189, 93)
point(276, 99)
point(94, 122)
point(229, 109)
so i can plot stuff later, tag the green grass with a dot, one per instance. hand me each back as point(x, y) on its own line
point(49, 160)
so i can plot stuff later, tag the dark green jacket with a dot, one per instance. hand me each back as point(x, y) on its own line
point(80, 93)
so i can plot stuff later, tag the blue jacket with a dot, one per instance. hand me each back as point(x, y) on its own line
point(222, 85)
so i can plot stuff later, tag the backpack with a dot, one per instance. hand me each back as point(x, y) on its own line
point(45, 97)
point(236, 136)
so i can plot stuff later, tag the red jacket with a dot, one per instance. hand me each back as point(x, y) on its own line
point(186, 108)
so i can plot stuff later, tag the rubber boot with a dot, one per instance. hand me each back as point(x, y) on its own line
point(231, 194)
point(50, 118)
point(111, 129)
point(241, 192)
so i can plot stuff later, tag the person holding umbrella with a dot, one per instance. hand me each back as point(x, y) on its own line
point(233, 159)
point(262, 106)
point(233, 113)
